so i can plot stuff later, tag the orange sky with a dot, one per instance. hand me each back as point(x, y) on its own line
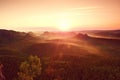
point(49, 14)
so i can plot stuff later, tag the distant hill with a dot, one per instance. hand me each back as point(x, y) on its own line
point(81, 36)
point(104, 33)
point(9, 36)
point(110, 33)
point(63, 34)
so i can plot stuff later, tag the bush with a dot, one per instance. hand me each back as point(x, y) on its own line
point(30, 68)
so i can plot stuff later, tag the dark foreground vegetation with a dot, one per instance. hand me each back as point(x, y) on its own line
point(76, 57)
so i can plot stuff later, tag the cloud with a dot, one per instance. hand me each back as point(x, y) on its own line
point(83, 8)
point(79, 11)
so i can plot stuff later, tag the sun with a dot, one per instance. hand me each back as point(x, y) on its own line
point(64, 25)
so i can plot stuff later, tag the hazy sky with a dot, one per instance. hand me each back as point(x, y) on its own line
point(50, 14)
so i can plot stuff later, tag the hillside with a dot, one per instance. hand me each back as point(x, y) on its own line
point(77, 57)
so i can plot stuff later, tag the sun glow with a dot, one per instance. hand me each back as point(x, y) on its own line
point(64, 25)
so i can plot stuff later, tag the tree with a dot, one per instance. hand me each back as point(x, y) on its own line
point(30, 68)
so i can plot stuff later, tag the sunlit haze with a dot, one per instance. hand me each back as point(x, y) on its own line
point(63, 15)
